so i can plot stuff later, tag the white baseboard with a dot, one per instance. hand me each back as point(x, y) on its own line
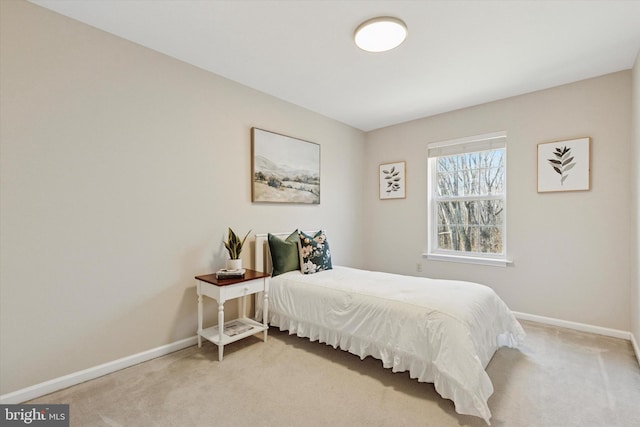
point(56, 384)
point(615, 333)
point(634, 343)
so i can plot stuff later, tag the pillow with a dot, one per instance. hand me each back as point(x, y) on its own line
point(315, 255)
point(284, 253)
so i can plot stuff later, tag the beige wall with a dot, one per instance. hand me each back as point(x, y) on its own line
point(635, 206)
point(570, 250)
point(121, 169)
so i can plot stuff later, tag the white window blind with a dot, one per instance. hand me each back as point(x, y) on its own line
point(486, 142)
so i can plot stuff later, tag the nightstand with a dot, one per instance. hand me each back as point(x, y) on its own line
point(223, 290)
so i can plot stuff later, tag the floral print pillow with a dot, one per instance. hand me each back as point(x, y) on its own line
point(315, 255)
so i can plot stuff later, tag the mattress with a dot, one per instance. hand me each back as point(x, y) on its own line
point(443, 332)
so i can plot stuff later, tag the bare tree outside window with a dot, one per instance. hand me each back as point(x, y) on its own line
point(469, 197)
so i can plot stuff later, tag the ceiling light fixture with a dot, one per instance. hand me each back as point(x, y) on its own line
point(380, 34)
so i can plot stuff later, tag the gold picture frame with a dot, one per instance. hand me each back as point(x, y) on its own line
point(284, 169)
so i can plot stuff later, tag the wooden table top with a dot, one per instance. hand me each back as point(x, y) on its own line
point(248, 275)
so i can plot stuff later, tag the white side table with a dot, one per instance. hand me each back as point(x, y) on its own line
point(222, 290)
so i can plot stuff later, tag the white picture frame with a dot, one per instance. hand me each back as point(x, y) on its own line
point(564, 165)
point(392, 180)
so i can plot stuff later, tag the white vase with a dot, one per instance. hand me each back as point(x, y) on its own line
point(234, 264)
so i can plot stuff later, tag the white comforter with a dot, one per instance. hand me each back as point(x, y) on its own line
point(441, 331)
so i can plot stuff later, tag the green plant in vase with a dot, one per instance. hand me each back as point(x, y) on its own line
point(234, 247)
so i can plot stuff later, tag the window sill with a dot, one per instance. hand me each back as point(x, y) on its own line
point(469, 260)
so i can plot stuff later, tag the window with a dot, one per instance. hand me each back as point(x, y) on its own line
point(467, 199)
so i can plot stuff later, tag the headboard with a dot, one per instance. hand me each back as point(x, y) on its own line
point(262, 261)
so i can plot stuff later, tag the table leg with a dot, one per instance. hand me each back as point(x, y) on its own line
point(199, 317)
point(220, 329)
point(243, 313)
point(265, 312)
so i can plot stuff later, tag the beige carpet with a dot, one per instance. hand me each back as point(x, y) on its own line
point(558, 378)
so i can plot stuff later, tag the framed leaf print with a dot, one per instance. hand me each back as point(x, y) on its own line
point(392, 180)
point(564, 165)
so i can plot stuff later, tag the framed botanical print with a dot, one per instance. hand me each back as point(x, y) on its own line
point(564, 165)
point(392, 179)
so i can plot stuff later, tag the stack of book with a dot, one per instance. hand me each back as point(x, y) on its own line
point(230, 274)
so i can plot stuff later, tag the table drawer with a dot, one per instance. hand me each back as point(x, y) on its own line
point(240, 289)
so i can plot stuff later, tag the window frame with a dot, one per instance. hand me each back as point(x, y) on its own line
point(472, 144)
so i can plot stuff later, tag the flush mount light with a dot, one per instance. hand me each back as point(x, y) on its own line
point(380, 34)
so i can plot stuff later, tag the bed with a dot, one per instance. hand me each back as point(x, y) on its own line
point(443, 332)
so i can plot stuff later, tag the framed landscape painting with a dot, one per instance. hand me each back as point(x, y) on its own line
point(392, 180)
point(284, 169)
point(564, 165)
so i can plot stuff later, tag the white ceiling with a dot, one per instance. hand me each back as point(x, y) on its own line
point(457, 54)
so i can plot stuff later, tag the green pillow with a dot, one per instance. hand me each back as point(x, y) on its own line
point(315, 255)
point(284, 253)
